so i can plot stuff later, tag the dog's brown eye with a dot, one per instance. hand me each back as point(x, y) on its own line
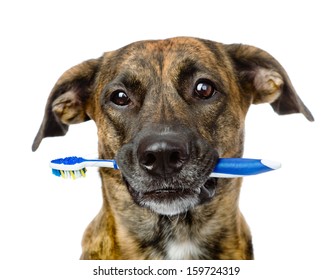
point(204, 90)
point(120, 98)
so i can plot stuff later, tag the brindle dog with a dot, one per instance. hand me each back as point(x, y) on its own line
point(166, 111)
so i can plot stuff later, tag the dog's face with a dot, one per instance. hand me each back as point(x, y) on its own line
point(167, 110)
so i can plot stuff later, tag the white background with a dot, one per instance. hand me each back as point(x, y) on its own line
point(43, 217)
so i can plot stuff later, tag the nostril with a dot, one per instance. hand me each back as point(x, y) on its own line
point(176, 159)
point(148, 160)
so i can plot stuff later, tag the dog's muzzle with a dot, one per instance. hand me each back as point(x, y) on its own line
point(168, 172)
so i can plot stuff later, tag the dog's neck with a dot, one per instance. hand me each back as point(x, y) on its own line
point(205, 232)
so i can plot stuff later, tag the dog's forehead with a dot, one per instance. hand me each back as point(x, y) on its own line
point(166, 55)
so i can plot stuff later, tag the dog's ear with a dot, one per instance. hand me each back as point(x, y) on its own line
point(266, 80)
point(66, 103)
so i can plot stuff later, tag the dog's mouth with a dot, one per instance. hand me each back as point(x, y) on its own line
point(174, 200)
point(205, 192)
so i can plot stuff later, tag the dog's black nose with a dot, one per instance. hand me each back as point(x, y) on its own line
point(163, 155)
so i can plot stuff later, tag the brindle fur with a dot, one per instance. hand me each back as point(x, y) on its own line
point(159, 77)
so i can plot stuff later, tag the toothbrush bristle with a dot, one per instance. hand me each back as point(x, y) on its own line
point(67, 174)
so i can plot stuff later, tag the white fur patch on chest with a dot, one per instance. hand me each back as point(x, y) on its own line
point(182, 250)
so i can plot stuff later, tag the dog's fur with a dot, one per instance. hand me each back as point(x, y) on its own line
point(189, 93)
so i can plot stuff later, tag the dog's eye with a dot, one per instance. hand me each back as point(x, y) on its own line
point(120, 98)
point(204, 90)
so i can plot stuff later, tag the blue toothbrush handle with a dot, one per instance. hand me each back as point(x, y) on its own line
point(225, 167)
point(239, 167)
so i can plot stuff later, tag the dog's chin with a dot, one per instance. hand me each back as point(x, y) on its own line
point(174, 201)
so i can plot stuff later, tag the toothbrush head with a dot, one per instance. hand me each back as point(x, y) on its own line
point(69, 167)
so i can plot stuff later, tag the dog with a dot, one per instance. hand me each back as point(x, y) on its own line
point(166, 110)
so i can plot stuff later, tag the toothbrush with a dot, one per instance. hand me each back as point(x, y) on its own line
point(75, 167)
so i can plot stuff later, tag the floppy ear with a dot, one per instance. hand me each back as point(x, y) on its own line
point(66, 103)
point(266, 80)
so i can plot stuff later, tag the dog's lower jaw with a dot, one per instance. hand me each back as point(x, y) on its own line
point(171, 208)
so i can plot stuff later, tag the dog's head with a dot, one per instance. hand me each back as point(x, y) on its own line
point(167, 110)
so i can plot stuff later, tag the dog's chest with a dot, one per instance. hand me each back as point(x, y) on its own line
point(185, 250)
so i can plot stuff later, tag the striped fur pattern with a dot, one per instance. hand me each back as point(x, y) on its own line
point(188, 89)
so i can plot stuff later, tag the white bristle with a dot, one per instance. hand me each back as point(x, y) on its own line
point(72, 174)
